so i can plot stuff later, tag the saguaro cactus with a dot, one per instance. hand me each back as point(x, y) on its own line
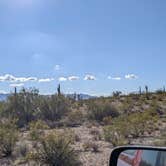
point(140, 90)
point(59, 89)
point(146, 91)
point(15, 91)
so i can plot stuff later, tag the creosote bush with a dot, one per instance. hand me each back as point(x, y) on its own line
point(114, 134)
point(39, 124)
point(99, 110)
point(37, 128)
point(27, 106)
point(130, 126)
point(53, 108)
point(8, 138)
point(74, 118)
point(91, 146)
point(21, 106)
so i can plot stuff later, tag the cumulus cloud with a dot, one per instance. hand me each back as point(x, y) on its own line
point(57, 67)
point(114, 78)
point(7, 77)
point(11, 78)
point(17, 85)
point(3, 92)
point(131, 76)
point(62, 79)
point(73, 78)
point(25, 79)
point(89, 77)
point(46, 80)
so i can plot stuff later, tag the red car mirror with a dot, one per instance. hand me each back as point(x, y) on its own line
point(138, 156)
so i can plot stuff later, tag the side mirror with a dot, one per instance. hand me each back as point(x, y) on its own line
point(138, 156)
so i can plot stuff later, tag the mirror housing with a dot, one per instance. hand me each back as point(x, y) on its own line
point(117, 152)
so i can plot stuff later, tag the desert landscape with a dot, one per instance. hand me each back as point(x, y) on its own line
point(60, 130)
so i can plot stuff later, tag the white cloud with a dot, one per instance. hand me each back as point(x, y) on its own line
point(11, 78)
point(131, 76)
point(17, 85)
point(62, 79)
point(73, 78)
point(114, 78)
point(7, 77)
point(90, 77)
point(57, 67)
point(3, 92)
point(46, 80)
point(25, 79)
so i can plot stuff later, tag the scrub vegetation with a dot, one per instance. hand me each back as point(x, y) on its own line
point(58, 130)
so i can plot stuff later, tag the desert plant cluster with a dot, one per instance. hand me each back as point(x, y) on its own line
point(58, 130)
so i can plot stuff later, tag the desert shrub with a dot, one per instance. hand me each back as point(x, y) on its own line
point(94, 131)
point(39, 124)
point(36, 129)
point(53, 108)
point(91, 146)
point(22, 150)
point(96, 134)
point(74, 118)
point(141, 122)
point(70, 134)
point(55, 150)
point(160, 91)
point(115, 134)
point(28, 105)
point(8, 138)
point(98, 111)
point(107, 120)
point(21, 106)
point(161, 141)
point(116, 93)
point(127, 126)
point(2, 107)
point(34, 134)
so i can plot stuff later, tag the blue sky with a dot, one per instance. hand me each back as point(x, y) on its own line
point(102, 46)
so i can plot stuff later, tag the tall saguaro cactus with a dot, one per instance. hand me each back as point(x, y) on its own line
point(146, 91)
point(59, 89)
point(15, 91)
point(140, 90)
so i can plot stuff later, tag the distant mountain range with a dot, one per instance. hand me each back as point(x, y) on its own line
point(81, 96)
point(3, 97)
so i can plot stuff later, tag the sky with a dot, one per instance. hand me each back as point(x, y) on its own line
point(88, 46)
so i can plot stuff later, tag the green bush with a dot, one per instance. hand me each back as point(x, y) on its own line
point(55, 150)
point(39, 124)
point(37, 128)
point(53, 108)
point(74, 118)
point(23, 150)
point(133, 125)
point(21, 106)
point(99, 110)
point(8, 138)
point(91, 146)
point(116, 134)
point(115, 138)
point(28, 105)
